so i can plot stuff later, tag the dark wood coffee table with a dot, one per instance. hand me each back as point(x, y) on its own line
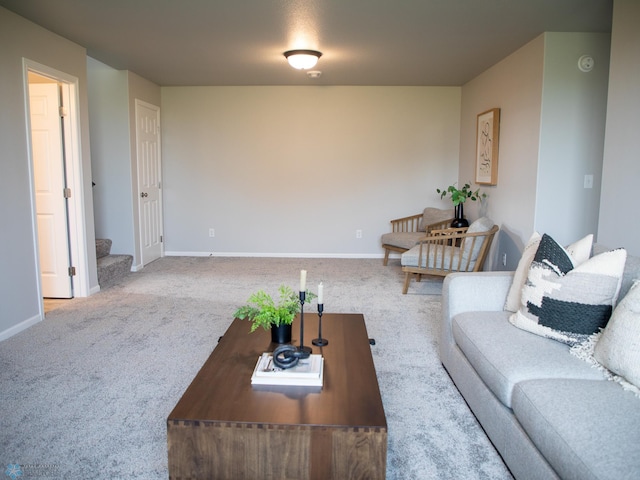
point(223, 427)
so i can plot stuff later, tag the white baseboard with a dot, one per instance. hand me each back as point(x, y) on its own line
point(137, 268)
point(11, 331)
point(273, 255)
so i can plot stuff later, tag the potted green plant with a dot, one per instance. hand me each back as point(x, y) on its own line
point(458, 197)
point(263, 311)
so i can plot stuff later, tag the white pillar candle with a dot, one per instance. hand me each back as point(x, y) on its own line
point(320, 293)
point(303, 280)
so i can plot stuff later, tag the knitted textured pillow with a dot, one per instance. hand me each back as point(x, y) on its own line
point(579, 252)
point(618, 348)
point(565, 303)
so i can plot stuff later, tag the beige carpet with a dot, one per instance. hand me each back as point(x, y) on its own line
point(88, 390)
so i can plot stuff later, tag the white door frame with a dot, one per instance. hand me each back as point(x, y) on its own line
point(77, 230)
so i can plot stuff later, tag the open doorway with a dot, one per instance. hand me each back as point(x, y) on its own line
point(46, 113)
point(68, 234)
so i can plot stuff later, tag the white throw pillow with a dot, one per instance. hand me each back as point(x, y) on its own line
point(579, 251)
point(520, 276)
point(618, 348)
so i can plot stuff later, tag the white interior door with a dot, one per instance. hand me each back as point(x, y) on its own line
point(49, 178)
point(149, 180)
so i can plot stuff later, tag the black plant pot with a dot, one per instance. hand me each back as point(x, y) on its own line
point(459, 220)
point(281, 334)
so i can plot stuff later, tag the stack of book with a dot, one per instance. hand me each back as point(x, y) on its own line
point(308, 372)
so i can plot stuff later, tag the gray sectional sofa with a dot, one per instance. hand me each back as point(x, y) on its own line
point(548, 413)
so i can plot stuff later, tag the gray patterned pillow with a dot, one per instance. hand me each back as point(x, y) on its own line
point(565, 303)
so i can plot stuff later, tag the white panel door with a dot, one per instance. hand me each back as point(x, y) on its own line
point(49, 178)
point(149, 180)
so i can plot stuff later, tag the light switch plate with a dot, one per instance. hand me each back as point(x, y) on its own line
point(588, 181)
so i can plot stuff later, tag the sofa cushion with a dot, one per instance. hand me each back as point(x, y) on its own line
point(579, 251)
point(585, 429)
point(402, 239)
point(504, 355)
point(565, 303)
point(432, 215)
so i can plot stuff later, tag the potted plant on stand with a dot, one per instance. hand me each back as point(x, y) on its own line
point(458, 197)
point(263, 311)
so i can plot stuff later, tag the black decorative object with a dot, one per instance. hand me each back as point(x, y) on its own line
point(458, 197)
point(459, 221)
point(286, 356)
point(281, 333)
point(320, 342)
point(304, 352)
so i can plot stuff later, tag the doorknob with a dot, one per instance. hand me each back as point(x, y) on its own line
point(143, 195)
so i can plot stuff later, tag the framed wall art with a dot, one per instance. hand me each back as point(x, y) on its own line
point(487, 140)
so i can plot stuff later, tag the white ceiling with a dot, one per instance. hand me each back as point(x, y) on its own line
point(364, 42)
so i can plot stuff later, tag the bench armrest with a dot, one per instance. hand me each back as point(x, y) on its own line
point(475, 291)
point(406, 224)
point(470, 292)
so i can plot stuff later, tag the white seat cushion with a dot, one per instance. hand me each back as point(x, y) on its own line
point(402, 239)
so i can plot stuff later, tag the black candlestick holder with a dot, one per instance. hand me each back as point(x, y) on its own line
point(303, 352)
point(320, 342)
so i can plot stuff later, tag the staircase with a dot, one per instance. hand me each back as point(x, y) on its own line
point(111, 268)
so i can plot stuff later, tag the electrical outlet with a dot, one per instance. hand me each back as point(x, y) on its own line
point(212, 232)
point(358, 233)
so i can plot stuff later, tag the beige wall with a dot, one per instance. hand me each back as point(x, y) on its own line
point(621, 173)
point(515, 86)
point(112, 96)
point(551, 136)
point(574, 109)
point(20, 39)
point(297, 170)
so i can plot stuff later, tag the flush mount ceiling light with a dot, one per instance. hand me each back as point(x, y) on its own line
point(302, 59)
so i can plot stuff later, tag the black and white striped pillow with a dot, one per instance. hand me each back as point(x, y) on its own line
point(565, 303)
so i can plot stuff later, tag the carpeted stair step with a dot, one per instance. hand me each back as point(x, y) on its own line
point(103, 247)
point(111, 268)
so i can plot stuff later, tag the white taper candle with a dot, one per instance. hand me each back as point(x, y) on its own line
point(303, 280)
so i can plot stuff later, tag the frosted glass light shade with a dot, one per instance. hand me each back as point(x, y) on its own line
point(302, 59)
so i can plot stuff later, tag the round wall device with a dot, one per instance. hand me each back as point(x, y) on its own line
point(586, 63)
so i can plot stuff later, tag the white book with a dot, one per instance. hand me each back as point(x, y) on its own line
point(308, 372)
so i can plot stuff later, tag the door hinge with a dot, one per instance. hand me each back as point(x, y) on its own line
point(67, 193)
point(72, 271)
point(160, 238)
point(63, 111)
